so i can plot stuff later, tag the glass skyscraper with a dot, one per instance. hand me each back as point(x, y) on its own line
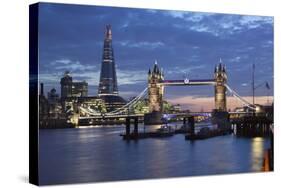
point(108, 80)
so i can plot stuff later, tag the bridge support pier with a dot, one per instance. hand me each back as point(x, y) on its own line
point(153, 118)
point(135, 133)
point(191, 125)
point(128, 126)
point(184, 121)
point(221, 119)
point(136, 129)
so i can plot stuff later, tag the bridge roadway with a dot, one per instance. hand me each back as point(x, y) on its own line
point(171, 115)
point(141, 115)
point(112, 116)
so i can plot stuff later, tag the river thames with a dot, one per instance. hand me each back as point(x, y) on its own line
point(99, 154)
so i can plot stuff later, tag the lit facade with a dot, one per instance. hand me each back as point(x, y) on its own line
point(155, 90)
point(82, 105)
point(220, 89)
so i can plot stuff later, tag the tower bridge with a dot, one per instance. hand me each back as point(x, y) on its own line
point(155, 93)
point(157, 84)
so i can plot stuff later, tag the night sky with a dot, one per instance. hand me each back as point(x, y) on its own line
point(183, 43)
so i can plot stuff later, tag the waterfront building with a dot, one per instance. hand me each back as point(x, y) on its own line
point(83, 105)
point(177, 108)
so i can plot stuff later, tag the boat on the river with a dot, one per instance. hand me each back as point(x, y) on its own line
point(165, 129)
point(205, 133)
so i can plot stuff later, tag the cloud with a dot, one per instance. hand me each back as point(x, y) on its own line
point(69, 65)
point(49, 78)
point(255, 21)
point(61, 61)
point(218, 24)
point(187, 70)
point(126, 77)
point(143, 44)
point(188, 16)
point(202, 28)
point(235, 59)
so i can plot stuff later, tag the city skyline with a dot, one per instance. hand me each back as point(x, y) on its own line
point(192, 42)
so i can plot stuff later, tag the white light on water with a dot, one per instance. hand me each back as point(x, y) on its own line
point(257, 153)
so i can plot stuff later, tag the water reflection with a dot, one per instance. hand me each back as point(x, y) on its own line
point(100, 154)
point(257, 153)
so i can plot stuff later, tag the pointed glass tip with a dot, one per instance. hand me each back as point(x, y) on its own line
point(108, 33)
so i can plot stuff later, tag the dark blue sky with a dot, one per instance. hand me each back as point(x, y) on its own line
point(71, 38)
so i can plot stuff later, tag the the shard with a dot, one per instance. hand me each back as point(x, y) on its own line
point(108, 80)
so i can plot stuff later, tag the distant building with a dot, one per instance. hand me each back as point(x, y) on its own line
point(113, 102)
point(177, 108)
point(79, 89)
point(53, 97)
point(72, 89)
point(43, 104)
point(55, 108)
point(266, 110)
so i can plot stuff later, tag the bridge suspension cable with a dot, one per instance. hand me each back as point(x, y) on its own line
point(89, 111)
point(117, 111)
point(235, 94)
point(132, 102)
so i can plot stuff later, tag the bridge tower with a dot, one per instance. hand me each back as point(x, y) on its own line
point(155, 89)
point(155, 96)
point(220, 89)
